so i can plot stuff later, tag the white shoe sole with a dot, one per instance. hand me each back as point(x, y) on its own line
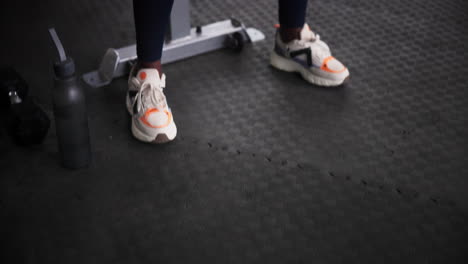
point(161, 135)
point(288, 65)
point(151, 135)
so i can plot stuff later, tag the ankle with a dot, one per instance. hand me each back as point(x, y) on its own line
point(289, 34)
point(150, 65)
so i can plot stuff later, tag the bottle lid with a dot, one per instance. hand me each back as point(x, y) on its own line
point(64, 69)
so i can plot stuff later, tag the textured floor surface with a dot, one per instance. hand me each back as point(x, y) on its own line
point(266, 168)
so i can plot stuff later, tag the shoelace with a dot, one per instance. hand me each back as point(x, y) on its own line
point(311, 39)
point(151, 95)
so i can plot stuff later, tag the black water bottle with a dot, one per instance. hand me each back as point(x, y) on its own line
point(71, 119)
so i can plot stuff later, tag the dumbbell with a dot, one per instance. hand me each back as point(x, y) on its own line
point(11, 81)
point(26, 122)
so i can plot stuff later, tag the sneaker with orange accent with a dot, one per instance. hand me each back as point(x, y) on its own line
point(152, 119)
point(311, 57)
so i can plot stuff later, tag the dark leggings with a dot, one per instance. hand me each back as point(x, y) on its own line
point(152, 18)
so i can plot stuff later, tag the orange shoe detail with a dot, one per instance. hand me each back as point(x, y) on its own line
point(325, 67)
point(144, 118)
point(142, 75)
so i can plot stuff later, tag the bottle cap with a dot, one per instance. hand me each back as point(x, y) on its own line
point(64, 69)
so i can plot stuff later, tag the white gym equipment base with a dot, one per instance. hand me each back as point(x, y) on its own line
point(182, 42)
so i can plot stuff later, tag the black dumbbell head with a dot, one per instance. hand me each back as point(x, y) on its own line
point(10, 81)
point(27, 123)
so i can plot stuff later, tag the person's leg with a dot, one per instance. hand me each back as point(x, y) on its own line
point(152, 119)
point(292, 14)
point(151, 22)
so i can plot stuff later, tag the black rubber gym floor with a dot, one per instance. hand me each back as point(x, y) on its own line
point(266, 168)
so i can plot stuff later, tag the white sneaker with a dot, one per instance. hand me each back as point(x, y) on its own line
point(309, 56)
point(152, 119)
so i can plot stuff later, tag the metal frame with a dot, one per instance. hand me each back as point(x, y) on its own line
point(182, 42)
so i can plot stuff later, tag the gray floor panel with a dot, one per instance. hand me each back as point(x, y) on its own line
point(266, 168)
